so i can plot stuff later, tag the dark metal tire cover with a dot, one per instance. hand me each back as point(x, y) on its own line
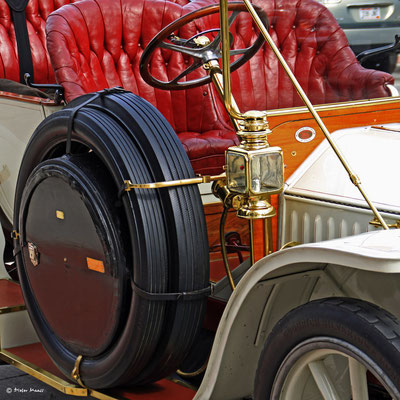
point(73, 246)
point(167, 236)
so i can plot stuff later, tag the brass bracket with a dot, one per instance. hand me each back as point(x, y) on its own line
point(128, 185)
point(75, 374)
point(355, 179)
point(289, 244)
point(377, 223)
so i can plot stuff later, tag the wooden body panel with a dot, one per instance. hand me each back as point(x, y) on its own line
point(285, 123)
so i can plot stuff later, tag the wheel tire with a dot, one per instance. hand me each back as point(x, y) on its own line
point(334, 327)
point(165, 230)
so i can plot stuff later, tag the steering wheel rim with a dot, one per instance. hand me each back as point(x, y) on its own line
point(203, 54)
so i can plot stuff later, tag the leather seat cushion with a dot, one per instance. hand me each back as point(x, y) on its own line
point(206, 150)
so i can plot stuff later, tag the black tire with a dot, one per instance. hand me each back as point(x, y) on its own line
point(167, 239)
point(354, 328)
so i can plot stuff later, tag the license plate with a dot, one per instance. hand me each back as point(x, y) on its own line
point(370, 13)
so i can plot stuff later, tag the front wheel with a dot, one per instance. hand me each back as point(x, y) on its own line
point(331, 349)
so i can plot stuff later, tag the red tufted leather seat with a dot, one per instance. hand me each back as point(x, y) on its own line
point(36, 13)
point(87, 57)
point(317, 51)
point(96, 44)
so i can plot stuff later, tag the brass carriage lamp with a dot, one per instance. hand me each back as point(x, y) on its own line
point(254, 169)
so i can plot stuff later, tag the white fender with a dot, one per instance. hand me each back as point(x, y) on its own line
point(356, 266)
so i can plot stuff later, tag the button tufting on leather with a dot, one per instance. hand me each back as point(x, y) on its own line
point(198, 117)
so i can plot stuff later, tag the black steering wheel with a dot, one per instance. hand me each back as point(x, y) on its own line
point(200, 53)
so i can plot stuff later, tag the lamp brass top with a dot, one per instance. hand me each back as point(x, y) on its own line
point(255, 121)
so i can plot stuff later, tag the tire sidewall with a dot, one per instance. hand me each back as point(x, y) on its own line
point(318, 319)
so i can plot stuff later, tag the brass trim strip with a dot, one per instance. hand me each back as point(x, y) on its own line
point(251, 235)
point(334, 106)
point(103, 396)
point(223, 248)
point(10, 309)
point(42, 375)
point(180, 182)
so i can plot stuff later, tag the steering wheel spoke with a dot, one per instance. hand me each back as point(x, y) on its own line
point(195, 53)
point(200, 55)
point(186, 72)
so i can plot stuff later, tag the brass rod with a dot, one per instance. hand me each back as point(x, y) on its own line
point(223, 247)
point(226, 62)
point(268, 236)
point(251, 232)
point(353, 177)
point(216, 76)
point(180, 182)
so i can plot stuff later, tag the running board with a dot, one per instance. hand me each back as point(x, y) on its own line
point(33, 360)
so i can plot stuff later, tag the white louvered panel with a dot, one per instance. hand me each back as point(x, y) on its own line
point(310, 220)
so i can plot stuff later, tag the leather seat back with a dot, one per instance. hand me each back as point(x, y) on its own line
point(36, 13)
point(98, 44)
point(317, 51)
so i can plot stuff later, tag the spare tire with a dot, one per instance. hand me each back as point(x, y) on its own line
point(91, 239)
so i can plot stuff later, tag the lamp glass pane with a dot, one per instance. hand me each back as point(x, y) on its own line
point(266, 171)
point(236, 172)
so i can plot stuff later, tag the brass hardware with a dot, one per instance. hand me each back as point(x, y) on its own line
point(345, 105)
point(383, 128)
point(180, 182)
point(255, 130)
point(226, 71)
point(10, 309)
point(289, 244)
point(194, 373)
point(299, 89)
point(377, 223)
point(75, 374)
point(59, 214)
point(255, 121)
point(14, 235)
point(251, 235)
point(268, 238)
point(217, 78)
point(202, 41)
point(223, 248)
point(256, 207)
point(355, 179)
point(44, 376)
point(33, 254)
point(229, 199)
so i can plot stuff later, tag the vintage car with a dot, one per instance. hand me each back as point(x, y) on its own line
point(184, 221)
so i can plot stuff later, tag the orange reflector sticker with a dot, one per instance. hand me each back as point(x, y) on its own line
point(95, 265)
